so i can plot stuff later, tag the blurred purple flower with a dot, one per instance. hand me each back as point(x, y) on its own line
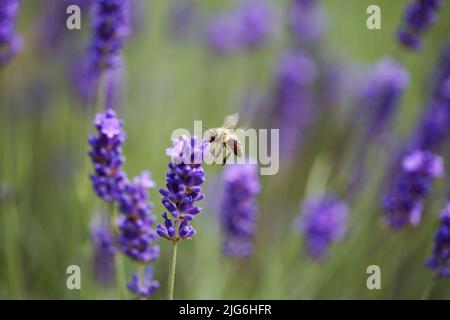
point(135, 224)
point(307, 20)
point(183, 182)
point(439, 262)
point(382, 94)
point(434, 127)
point(292, 101)
point(324, 221)
point(418, 17)
point(257, 22)
point(143, 285)
point(108, 178)
point(104, 250)
point(250, 25)
point(10, 41)
point(223, 33)
point(239, 210)
point(403, 202)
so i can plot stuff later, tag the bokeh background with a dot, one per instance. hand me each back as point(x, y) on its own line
point(172, 77)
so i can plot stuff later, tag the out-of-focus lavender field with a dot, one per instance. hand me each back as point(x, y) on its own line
point(87, 115)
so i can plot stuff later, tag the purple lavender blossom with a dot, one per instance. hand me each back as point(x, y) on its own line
point(223, 33)
point(418, 17)
point(434, 129)
point(403, 202)
point(293, 105)
point(104, 251)
point(238, 210)
point(382, 94)
point(108, 178)
point(307, 20)
point(143, 285)
point(439, 262)
point(257, 22)
point(183, 182)
point(10, 41)
point(248, 26)
point(324, 222)
point(135, 224)
point(110, 27)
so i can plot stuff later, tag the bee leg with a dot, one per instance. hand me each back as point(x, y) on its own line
point(225, 159)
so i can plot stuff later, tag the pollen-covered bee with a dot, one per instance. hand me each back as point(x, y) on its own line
point(225, 138)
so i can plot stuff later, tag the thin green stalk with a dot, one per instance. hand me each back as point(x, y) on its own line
point(173, 263)
point(428, 289)
point(119, 262)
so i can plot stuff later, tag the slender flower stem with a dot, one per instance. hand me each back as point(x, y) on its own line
point(173, 263)
point(120, 268)
point(428, 289)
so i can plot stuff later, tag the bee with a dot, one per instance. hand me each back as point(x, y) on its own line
point(224, 138)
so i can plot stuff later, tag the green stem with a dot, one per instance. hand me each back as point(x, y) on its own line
point(173, 263)
point(120, 267)
point(428, 289)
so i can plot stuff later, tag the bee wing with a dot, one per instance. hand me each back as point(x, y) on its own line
point(231, 121)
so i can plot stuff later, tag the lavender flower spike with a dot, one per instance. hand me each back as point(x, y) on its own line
point(239, 212)
point(143, 286)
point(324, 221)
point(110, 28)
point(403, 203)
point(108, 178)
point(10, 41)
point(307, 21)
point(257, 22)
point(183, 182)
point(135, 224)
point(381, 95)
point(440, 260)
point(418, 17)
